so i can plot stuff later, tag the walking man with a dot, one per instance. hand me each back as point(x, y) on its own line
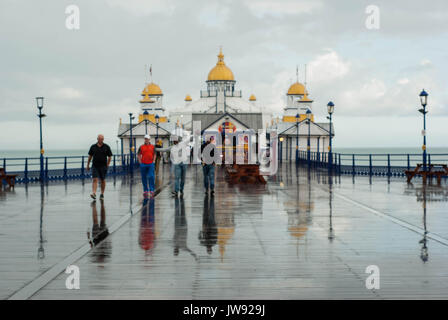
point(146, 158)
point(180, 168)
point(208, 165)
point(101, 155)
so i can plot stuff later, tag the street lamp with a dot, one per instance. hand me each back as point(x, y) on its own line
point(157, 127)
point(297, 138)
point(330, 109)
point(40, 105)
point(131, 147)
point(308, 147)
point(424, 101)
point(145, 116)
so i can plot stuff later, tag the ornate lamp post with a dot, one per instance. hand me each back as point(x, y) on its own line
point(308, 146)
point(145, 115)
point(157, 127)
point(297, 138)
point(40, 105)
point(330, 109)
point(131, 147)
point(424, 101)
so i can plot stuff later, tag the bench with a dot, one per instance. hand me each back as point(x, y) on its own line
point(433, 170)
point(9, 178)
point(244, 173)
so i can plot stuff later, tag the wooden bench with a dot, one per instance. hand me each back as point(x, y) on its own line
point(433, 170)
point(244, 173)
point(9, 178)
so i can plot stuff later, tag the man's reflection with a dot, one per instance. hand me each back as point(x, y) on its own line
point(209, 235)
point(99, 230)
point(180, 228)
point(99, 233)
point(147, 225)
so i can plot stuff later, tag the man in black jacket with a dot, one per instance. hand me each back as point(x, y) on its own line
point(101, 155)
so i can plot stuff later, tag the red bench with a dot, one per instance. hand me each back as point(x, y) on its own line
point(9, 178)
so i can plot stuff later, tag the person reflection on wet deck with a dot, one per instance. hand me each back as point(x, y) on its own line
point(147, 226)
point(99, 230)
point(180, 228)
point(208, 237)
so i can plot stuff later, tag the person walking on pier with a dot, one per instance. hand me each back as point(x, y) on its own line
point(146, 158)
point(208, 165)
point(101, 155)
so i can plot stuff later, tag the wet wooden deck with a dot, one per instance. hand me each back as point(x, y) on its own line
point(297, 237)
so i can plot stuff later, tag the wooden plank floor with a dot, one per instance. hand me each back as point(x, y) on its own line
point(298, 237)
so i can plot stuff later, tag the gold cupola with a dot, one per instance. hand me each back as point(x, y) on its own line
point(220, 72)
point(296, 89)
point(188, 98)
point(252, 98)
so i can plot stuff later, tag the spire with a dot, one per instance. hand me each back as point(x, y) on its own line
point(297, 73)
point(220, 56)
point(305, 75)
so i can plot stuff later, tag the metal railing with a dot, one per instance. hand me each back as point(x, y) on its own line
point(60, 168)
point(391, 165)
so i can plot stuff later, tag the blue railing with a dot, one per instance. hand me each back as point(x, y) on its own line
point(391, 165)
point(60, 168)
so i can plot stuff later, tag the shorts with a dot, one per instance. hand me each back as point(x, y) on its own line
point(99, 172)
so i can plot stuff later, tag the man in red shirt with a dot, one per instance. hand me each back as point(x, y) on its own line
point(146, 158)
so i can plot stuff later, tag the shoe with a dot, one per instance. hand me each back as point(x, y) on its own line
point(206, 191)
point(93, 196)
point(174, 194)
point(181, 194)
point(212, 192)
point(101, 196)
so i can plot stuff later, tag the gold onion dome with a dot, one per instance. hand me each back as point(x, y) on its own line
point(188, 98)
point(252, 98)
point(296, 89)
point(152, 89)
point(220, 71)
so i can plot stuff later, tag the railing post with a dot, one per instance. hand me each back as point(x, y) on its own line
point(429, 159)
point(340, 167)
point(409, 163)
point(115, 168)
point(4, 164)
point(353, 164)
point(388, 165)
point(65, 169)
point(82, 167)
point(26, 170)
point(370, 165)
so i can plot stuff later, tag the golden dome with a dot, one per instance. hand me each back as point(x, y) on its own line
point(252, 98)
point(296, 89)
point(152, 89)
point(220, 71)
point(188, 98)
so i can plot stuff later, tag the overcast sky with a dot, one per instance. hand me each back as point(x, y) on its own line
point(93, 76)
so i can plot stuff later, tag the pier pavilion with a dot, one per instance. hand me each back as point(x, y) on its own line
point(221, 109)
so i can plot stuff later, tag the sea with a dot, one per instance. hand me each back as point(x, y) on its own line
point(14, 160)
point(83, 152)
